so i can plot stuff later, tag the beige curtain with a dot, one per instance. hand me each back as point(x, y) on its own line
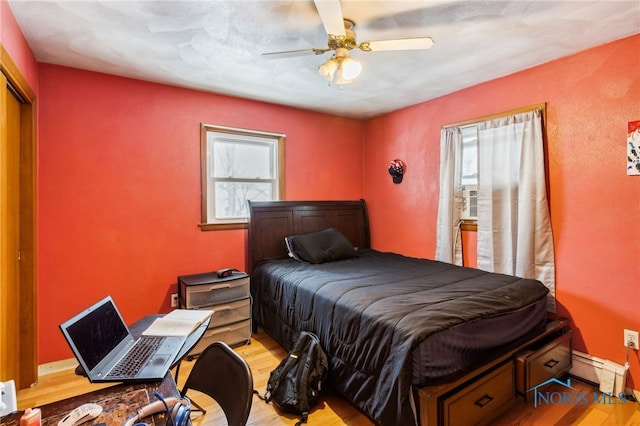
point(448, 242)
point(514, 228)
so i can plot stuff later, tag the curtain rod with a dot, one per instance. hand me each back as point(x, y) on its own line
point(521, 110)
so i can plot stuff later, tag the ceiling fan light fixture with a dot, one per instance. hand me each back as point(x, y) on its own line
point(341, 66)
point(328, 69)
point(350, 68)
point(340, 78)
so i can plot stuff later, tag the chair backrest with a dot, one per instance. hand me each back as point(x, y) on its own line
point(226, 377)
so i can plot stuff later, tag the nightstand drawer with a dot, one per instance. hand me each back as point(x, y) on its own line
point(230, 312)
point(219, 292)
point(481, 400)
point(538, 365)
point(231, 334)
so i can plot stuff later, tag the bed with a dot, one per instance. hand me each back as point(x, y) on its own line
point(390, 324)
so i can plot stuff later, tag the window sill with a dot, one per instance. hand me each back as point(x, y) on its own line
point(222, 226)
point(469, 225)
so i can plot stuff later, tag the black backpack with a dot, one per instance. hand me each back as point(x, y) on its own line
point(295, 385)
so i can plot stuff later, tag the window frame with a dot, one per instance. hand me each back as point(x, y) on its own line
point(472, 225)
point(205, 171)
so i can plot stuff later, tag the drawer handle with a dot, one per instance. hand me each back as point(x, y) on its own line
point(551, 363)
point(219, 286)
point(482, 402)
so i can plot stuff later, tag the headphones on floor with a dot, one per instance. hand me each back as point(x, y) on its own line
point(178, 411)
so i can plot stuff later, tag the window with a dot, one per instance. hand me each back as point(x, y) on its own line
point(469, 156)
point(469, 177)
point(495, 168)
point(466, 160)
point(238, 165)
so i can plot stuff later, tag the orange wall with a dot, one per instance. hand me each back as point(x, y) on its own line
point(119, 192)
point(119, 188)
point(595, 206)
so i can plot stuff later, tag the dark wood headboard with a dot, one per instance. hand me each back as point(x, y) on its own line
point(271, 221)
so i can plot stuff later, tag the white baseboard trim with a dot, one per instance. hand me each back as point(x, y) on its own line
point(57, 366)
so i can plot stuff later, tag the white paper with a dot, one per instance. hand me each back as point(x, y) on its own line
point(180, 322)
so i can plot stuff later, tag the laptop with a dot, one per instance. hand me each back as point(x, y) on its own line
point(107, 351)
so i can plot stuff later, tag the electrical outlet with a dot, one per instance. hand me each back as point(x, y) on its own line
point(174, 303)
point(631, 339)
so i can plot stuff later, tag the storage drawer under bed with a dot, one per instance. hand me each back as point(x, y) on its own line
point(482, 400)
point(537, 365)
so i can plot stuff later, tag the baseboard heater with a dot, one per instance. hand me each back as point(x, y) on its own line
point(608, 375)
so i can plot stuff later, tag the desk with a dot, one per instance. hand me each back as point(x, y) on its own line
point(138, 327)
point(118, 402)
point(141, 325)
point(121, 400)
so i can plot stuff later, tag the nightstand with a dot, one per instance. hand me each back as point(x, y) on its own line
point(230, 300)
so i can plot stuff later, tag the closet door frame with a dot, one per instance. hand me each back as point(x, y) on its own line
point(24, 303)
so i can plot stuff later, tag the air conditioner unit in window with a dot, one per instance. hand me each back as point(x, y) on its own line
point(469, 202)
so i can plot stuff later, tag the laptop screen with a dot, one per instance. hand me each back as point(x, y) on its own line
point(96, 332)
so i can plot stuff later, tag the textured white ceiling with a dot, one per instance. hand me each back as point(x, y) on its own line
point(216, 45)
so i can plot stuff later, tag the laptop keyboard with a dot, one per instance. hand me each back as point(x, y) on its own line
point(136, 358)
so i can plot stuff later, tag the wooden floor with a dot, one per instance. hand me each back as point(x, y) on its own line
point(263, 355)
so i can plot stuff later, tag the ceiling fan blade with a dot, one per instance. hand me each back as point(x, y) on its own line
point(398, 44)
point(330, 12)
point(293, 53)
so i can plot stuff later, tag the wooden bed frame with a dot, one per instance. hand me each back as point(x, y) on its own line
point(480, 394)
point(271, 221)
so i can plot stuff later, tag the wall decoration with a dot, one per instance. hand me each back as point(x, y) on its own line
point(633, 148)
point(397, 170)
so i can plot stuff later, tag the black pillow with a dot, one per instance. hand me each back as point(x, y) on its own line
point(321, 247)
point(289, 245)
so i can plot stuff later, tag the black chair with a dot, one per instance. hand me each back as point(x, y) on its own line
point(226, 377)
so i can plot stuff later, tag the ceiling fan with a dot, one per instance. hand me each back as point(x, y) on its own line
point(342, 39)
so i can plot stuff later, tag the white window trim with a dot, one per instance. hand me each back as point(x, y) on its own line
point(239, 135)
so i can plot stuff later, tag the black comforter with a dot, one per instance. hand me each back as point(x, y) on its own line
point(373, 310)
